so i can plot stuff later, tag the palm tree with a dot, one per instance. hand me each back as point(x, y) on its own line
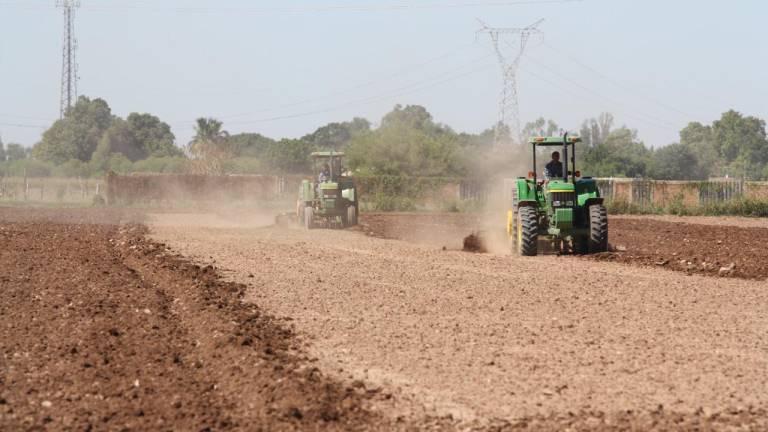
point(208, 135)
point(210, 145)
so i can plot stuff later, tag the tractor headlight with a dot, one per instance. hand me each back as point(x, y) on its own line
point(556, 203)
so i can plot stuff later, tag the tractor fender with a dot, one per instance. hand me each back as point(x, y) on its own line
point(592, 201)
point(527, 203)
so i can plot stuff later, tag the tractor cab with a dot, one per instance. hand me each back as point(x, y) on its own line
point(566, 190)
point(565, 209)
point(328, 166)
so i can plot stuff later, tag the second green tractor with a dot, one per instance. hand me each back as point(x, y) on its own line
point(329, 200)
point(565, 214)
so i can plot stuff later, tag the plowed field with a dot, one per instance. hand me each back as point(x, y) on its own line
point(224, 323)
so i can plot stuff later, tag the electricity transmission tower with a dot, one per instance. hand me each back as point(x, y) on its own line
point(509, 59)
point(69, 61)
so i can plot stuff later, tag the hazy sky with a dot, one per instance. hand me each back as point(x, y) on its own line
point(283, 68)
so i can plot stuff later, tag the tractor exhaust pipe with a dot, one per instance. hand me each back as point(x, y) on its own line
point(565, 157)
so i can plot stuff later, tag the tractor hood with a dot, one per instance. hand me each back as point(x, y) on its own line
point(329, 186)
point(560, 186)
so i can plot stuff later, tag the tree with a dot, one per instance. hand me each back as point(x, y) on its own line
point(208, 132)
point(77, 135)
point(15, 152)
point(412, 116)
point(250, 145)
point(540, 127)
point(210, 146)
point(336, 136)
point(595, 131)
point(2, 150)
point(621, 155)
point(700, 141)
point(675, 162)
point(408, 143)
point(153, 135)
point(741, 143)
point(121, 138)
point(289, 156)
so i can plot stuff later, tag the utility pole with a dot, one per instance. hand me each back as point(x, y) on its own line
point(69, 61)
point(509, 106)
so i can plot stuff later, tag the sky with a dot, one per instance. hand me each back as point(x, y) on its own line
point(283, 68)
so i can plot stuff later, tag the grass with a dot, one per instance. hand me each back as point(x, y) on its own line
point(740, 207)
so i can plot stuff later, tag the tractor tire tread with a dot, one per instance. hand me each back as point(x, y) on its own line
point(598, 229)
point(530, 231)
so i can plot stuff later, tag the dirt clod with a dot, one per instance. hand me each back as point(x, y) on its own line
point(474, 243)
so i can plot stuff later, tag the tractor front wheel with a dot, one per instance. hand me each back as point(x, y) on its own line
point(598, 229)
point(309, 218)
point(351, 216)
point(527, 231)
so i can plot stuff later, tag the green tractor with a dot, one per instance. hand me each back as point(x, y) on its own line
point(565, 213)
point(330, 199)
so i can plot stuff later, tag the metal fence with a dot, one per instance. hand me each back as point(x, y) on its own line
point(657, 193)
point(169, 188)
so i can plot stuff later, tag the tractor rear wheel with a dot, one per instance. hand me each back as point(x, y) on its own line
point(309, 218)
point(527, 231)
point(598, 229)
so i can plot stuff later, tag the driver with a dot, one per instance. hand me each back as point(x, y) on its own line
point(554, 168)
point(325, 174)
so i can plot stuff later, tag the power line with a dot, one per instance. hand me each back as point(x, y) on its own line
point(401, 71)
point(410, 89)
point(615, 82)
point(388, 6)
point(45, 119)
point(655, 119)
point(570, 90)
point(21, 125)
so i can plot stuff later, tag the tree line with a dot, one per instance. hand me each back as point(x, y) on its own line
point(89, 141)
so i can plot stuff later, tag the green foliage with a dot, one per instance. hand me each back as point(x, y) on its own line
point(595, 131)
point(165, 165)
point(741, 143)
point(337, 136)
point(26, 167)
point(289, 156)
point(399, 193)
point(153, 136)
point(698, 138)
point(250, 145)
point(540, 127)
point(119, 164)
point(675, 162)
point(120, 138)
point(77, 134)
point(15, 152)
point(620, 155)
point(737, 207)
point(407, 143)
point(89, 131)
point(624, 207)
point(72, 168)
point(210, 147)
